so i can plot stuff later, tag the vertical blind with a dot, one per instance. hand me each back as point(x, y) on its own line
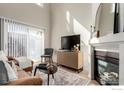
point(22, 40)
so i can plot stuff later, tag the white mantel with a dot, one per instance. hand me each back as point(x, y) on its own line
point(110, 38)
point(113, 40)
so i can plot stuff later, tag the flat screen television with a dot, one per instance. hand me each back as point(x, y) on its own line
point(68, 42)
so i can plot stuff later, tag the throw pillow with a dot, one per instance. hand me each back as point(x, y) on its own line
point(3, 74)
point(11, 74)
point(14, 67)
point(3, 56)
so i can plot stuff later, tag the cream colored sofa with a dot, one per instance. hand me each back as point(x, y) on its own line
point(23, 77)
point(15, 75)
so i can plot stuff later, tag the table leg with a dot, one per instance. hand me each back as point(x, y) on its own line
point(52, 60)
point(48, 80)
point(53, 76)
point(35, 71)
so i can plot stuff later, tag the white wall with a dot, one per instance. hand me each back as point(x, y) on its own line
point(29, 13)
point(70, 19)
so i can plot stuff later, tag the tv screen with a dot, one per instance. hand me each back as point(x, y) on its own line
point(68, 42)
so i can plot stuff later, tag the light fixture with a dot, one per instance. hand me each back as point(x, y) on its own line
point(39, 4)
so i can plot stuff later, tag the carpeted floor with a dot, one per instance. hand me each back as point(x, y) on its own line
point(64, 77)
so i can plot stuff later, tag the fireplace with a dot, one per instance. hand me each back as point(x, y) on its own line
point(106, 67)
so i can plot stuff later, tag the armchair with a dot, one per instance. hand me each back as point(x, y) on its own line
point(17, 62)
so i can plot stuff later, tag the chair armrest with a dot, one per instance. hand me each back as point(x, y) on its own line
point(32, 62)
point(29, 69)
point(27, 81)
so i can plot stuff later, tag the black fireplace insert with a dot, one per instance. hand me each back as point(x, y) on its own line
point(106, 67)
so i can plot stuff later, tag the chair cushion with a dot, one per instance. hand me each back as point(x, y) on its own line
point(24, 62)
point(42, 66)
point(22, 74)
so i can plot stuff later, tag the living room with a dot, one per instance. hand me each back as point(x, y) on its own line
point(83, 38)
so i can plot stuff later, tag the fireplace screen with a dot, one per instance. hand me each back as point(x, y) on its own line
point(106, 68)
point(108, 72)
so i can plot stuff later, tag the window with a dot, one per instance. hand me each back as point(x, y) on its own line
point(36, 43)
point(22, 40)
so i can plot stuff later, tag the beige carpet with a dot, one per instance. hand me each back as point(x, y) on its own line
point(64, 77)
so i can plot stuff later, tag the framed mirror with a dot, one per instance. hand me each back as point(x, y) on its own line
point(121, 18)
point(107, 19)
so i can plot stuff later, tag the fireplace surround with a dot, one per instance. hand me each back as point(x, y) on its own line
point(106, 67)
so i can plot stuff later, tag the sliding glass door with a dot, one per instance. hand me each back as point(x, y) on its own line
point(35, 43)
point(22, 40)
